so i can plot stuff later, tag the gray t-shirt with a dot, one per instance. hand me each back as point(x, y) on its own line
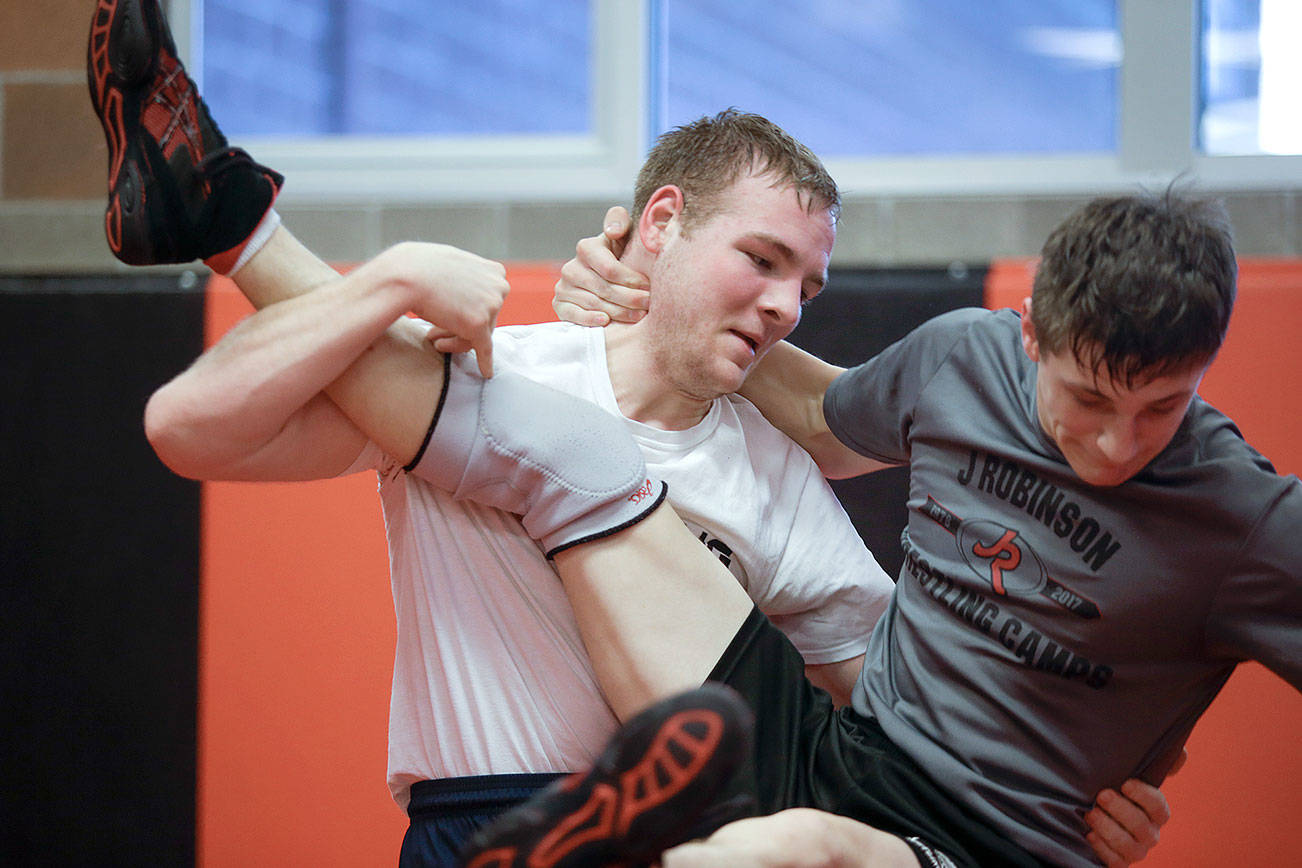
point(1048, 639)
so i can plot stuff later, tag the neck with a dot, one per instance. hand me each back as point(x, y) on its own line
point(641, 388)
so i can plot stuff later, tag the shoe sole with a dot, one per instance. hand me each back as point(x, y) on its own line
point(122, 52)
point(610, 811)
point(621, 809)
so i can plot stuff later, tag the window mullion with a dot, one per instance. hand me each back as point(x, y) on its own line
point(1158, 89)
point(620, 85)
point(185, 17)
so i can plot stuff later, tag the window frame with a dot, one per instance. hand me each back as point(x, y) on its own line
point(1156, 116)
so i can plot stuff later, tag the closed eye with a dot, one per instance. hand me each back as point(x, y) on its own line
point(1163, 409)
point(1090, 402)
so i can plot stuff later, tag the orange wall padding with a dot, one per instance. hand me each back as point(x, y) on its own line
point(1237, 801)
point(296, 638)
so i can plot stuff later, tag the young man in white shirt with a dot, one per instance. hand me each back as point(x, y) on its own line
point(493, 694)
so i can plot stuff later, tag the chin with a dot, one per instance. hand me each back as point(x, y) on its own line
point(1108, 478)
point(718, 390)
point(725, 382)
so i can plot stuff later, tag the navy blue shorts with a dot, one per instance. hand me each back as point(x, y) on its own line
point(445, 813)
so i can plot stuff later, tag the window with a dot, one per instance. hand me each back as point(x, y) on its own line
point(890, 78)
point(521, 100)
point(1251, 75)
point(386, 67)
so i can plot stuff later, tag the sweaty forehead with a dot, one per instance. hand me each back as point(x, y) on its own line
point(757, 209)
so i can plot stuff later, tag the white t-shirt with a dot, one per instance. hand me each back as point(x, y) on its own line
point(490, 675)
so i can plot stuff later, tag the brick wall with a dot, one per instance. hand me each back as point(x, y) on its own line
point(52, 153)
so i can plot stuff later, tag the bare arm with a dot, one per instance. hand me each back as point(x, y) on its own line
point(788, 386)
point(255, 407)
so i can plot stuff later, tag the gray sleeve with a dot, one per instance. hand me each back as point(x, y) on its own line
point(870, 407)
point(1257, 614)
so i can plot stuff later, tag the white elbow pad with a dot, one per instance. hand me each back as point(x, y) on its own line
point(567, 467)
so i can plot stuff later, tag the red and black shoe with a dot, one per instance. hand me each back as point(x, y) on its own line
point(177, 191)
point(646, 792)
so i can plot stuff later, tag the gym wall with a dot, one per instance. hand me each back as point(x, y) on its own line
point(99, 563)
point(201, 673)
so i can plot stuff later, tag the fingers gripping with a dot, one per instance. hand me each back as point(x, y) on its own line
point(595, 287)
point(1125, 826)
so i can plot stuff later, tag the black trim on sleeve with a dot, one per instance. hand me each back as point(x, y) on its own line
point(438, 411)
point(664, 492)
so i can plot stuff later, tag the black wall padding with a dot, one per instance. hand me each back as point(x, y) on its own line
point(861, 312)
point(99, 548)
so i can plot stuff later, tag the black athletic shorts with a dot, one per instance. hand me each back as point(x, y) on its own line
point(810, 754)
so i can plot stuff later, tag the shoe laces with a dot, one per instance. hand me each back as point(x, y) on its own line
point(175, 93)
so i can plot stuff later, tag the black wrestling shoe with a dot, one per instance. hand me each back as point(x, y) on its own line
point(177, 191)
point(646, 792)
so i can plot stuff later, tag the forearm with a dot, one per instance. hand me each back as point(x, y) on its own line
point(281, 270)
point(240, 394)
point(788, 386)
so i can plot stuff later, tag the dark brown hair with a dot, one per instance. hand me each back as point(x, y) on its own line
point(1137, 286)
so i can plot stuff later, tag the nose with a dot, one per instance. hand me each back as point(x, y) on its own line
point(781, 304)
point(1119, 440)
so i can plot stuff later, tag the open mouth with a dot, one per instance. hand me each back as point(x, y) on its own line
point(750, 342)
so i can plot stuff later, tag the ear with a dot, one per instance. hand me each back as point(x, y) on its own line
point(654, 227)
point(1029, 342)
